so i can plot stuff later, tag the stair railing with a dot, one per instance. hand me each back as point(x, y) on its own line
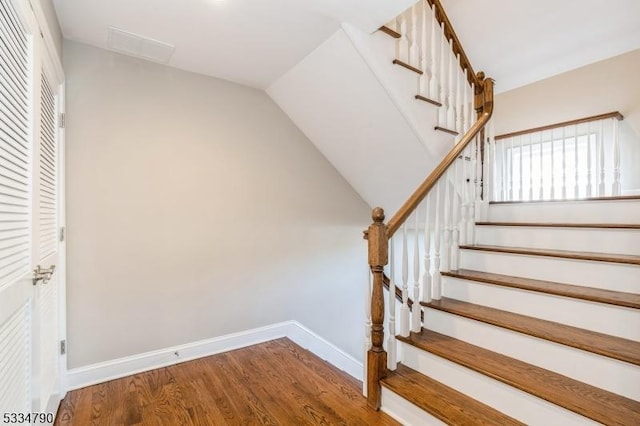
point(569, 160)
point(442, 212)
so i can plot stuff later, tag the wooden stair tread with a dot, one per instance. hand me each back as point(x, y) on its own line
point(444, 129)
point(407, 66)
point(428, 100)
point(589, 401)
point(567, 254)
point(441, 401)
point(618, 298)
point(388, 31)
point(587, 340)
point(612, 198)
point(564, 225)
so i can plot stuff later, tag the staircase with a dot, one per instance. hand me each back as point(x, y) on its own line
point(540, 323)
point(513, 271)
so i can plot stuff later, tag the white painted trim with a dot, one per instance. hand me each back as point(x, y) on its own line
point(326, 350)
point(122, 367)
point(47, 37)
point(406, 412)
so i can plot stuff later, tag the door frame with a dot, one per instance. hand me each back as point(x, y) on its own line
point(46, 55)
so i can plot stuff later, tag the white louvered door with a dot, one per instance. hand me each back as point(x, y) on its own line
point(29, 216)
point(16, 195)
point(45, 249)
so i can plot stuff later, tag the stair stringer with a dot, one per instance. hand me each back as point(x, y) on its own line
point(349, 113)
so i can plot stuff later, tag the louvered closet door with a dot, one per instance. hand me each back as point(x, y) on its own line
point(17, 305)
point(45, 215)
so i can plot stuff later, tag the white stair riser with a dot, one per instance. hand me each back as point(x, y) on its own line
point(620, 211)
point(606, 373)
point(510, 401)
point(614, 320)
point(405, 412)
point(611, 276)
point(626, 241)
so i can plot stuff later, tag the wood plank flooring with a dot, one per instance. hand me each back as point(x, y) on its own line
point(273, 383)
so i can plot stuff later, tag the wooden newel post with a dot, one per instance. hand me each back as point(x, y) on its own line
point(378, 257)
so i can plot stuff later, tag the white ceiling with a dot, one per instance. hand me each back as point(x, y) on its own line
point(251, 42)
point(254, 42)
point(518, 42)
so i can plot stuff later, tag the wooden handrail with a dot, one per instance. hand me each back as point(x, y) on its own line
point(450, 34)
point(614, 114)
point(378, 233)
point(416, 198)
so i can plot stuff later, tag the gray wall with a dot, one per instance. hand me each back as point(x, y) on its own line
point(195, 208)
point(605, 86)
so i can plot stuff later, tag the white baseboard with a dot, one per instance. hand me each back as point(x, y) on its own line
point(309, 340)
point(122, 367)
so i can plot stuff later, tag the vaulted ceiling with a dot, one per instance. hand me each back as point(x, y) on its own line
point(253, 42)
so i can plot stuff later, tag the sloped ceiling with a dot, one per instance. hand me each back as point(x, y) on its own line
point(254, 42)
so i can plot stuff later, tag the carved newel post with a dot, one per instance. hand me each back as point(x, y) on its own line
point(378, 257)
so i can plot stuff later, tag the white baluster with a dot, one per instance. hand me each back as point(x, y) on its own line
point(511, 171)
point(404, 312)
point(472, 115)
point(552, 195)
point(530, 167)
point(442, 112)
point(589, 188)
point(416, 323)
point(433, 83)
point(367, 327)
point(451, 113)
point(459, 108)
point(616, 188)
point(426, 276)
point(455, 231)
point(541, 194)
point(503, 171)
point(392, 361)
point(467, 114)
point(403, 44)
point(446, 250)
point(463, 191)
point(576, 188)
point(494, 164)
point(437, 237)
point(520, 196)
point(423, 86)
point(475, 187)
point(411, 37)
point(600, 141)
point(564, 165)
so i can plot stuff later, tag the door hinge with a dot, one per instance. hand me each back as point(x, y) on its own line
point(62, 234)
point(62, 120)
point(63, 347)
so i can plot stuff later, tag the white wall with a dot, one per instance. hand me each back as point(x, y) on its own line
point(196, 209)
point(610, 85)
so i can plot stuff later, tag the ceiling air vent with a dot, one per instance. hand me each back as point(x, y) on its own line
point(139, 46)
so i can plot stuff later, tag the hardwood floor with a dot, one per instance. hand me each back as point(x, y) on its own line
point(273, 383)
